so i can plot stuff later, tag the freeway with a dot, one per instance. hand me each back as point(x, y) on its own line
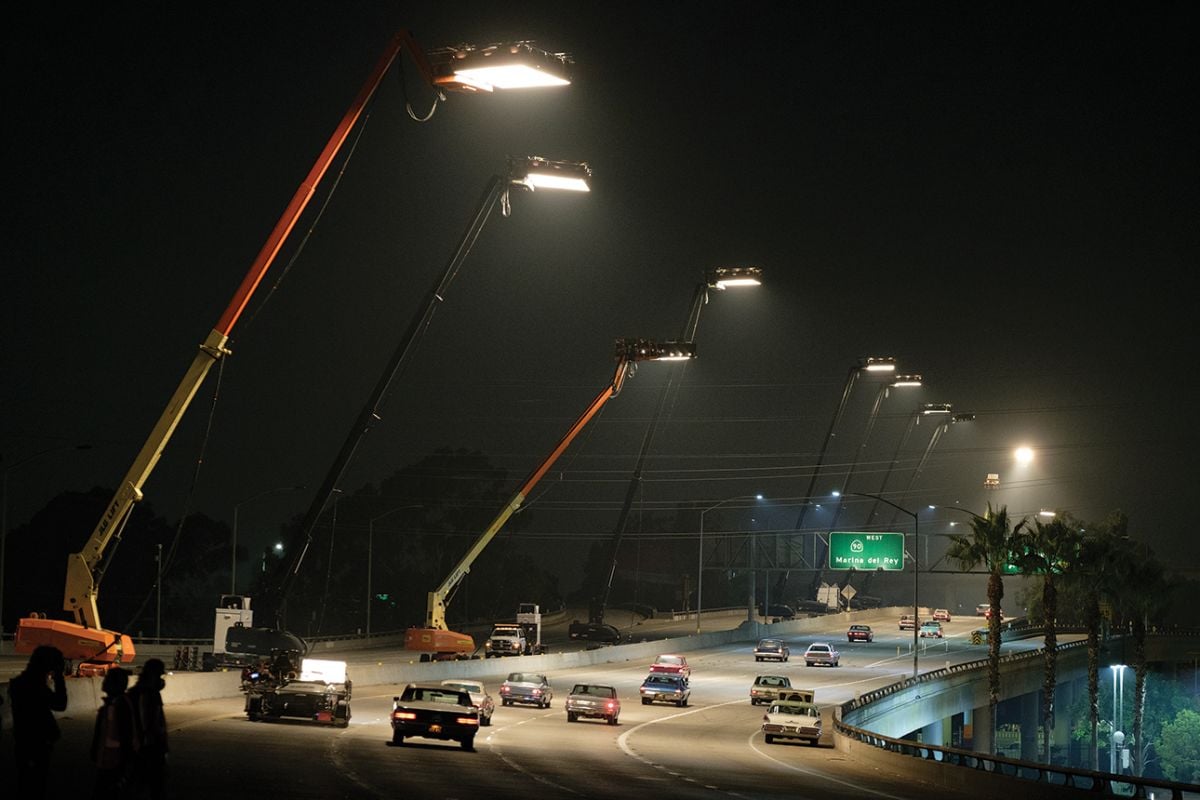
point(713, 748)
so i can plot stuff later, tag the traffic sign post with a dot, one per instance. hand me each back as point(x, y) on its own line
point(866, 551)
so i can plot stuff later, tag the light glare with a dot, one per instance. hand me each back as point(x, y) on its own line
point(508, 76)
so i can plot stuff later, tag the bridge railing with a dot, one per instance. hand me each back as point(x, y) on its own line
point(1045, 775)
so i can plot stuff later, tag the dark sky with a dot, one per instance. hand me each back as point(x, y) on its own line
point(1001, 196)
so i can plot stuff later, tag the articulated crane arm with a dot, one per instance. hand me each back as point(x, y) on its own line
point(85, 638)
point(436, 636)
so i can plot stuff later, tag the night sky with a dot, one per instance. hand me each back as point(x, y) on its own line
point(1001, 196)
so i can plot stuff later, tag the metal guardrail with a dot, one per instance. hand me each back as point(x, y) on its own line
point(1047, 775)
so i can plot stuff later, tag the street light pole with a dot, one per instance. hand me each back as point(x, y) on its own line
point(371, 556)
point(233, 546)
point(4, 511)
point(916, 574)
point(700, 561)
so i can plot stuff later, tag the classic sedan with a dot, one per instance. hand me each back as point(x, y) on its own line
point(433, 711)
point(941, 614)
point(908, 622)
point(774, 649)
point(821, 653)
point(671, 665)
point(594, 701)
point(933, 629)
point(860, 633)
point(665, 689)
point(792, 720)
point(530, 688)
point(480, 698)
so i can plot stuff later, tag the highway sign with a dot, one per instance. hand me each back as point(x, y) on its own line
point(866, 551)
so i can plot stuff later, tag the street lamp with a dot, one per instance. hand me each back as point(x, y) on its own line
point(1118, 712)
point(233, 545)
point(700, 561)
point(371, 555)
point(916, 573)
point(4, 510)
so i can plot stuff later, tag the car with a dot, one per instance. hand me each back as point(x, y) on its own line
point(665, 689)
point(595, 701)
point(778, 610)
point(788, 719)
point(988, 615)
point(433, 711)
point(594, 632)
point(908, 622)
point(672, 665)
point(529, 688)
point(941, 614)
point(821, 653)
point(480, 698)
point(981, 610)
point(931, 628)
point(860, 633)
point(766, 688)
point(773, 649)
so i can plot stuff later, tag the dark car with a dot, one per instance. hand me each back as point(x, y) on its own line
point(860, 633)
point(594, 632)
point(773, 649)
point(778, 610)
point(665, 689)
point(433, 711)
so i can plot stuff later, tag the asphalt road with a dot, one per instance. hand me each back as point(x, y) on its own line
point(712, 748)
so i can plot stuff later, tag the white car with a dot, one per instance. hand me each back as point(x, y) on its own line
point(480, 698)
point(821, 653)
point(792, 720)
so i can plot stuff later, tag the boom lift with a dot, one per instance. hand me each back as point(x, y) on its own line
point(462, 69)
point(436, 640)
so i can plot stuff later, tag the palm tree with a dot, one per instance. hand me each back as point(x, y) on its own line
point(1141, 578)
point(989, 544)
point(1049, 550)
point(1096, 575)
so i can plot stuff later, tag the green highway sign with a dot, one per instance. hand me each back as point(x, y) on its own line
point(866, 551)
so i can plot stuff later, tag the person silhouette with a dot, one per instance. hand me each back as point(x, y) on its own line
point(112, 738)
point(35, 695)
point(149, 730)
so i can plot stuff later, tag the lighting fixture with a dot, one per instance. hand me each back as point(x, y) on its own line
point(879, 364)
point(724, 277)
point(535, 172)
point(518, 65)
point(650, 350)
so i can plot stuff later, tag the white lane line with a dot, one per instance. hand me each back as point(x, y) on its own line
point(815, 773)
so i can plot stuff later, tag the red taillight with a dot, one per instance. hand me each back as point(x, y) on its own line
point(403, 715)
point(611, 705)
point(467, 721)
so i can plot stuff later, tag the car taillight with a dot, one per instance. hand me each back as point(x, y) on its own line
point(403, 715)
point(504, 690)
point(611, 705)
point(467, 721)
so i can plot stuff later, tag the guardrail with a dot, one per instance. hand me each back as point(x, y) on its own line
point(1054, 778)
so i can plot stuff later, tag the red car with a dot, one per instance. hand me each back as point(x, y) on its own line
point(671, 665)
point(860, 633)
